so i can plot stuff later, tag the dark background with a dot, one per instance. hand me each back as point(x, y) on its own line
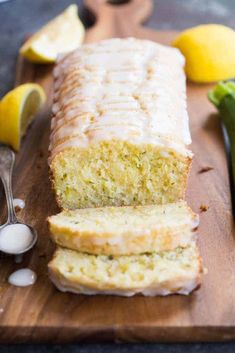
point(20, 17)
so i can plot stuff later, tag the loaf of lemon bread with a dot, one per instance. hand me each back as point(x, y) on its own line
point(120, 126)
point(177, 271)
point(125, 230)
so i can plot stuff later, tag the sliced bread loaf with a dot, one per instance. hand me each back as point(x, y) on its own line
point(125, 230)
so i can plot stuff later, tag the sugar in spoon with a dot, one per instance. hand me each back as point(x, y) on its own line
point(15, 237)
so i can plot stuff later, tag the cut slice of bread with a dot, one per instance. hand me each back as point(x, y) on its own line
point(178, 271)
point(125, 230)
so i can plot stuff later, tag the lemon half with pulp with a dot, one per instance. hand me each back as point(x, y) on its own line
point(17, 110)
point(61, 35)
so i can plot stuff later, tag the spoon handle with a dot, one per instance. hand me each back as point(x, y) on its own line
point(7, 159)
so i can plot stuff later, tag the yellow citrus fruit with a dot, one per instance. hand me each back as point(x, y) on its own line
point(63, 34)
point(209, 51)
point(17, 110)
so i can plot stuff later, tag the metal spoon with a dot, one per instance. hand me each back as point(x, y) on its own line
point(7, 159)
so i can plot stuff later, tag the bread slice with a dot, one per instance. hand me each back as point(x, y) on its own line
point(125, 230)
point(177, 271)
point(120, 127)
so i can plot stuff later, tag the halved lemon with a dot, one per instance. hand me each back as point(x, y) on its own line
point(209, 51)
point(17, 110)
point(61, 35)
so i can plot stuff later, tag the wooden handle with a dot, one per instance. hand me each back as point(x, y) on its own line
point(135, 11)
point(116, 20)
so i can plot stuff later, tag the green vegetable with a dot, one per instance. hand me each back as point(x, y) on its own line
point(223, 97)
point(223, 89)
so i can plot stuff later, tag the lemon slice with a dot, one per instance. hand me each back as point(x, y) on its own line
point(17, 110)
point(63, 34)
point(209, 51)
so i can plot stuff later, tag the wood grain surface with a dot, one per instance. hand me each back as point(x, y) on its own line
point(41, 313)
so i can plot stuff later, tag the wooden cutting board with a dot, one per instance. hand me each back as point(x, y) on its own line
point(41, 313)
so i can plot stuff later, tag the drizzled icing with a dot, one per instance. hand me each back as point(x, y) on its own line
point(124, 89)
point(64, 285)
point(19, 203)
point(22, 278)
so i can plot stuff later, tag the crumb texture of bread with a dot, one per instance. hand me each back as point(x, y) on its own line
point(178, 271)
point(120, 127)
point(125, 230)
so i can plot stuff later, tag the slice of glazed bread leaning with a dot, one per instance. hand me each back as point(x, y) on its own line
point(120, 126)
point(125, 230)
point(177, 271)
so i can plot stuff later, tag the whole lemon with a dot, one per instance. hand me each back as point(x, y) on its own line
point(209, 51)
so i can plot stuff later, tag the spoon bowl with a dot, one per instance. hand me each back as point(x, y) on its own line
point(15, 237)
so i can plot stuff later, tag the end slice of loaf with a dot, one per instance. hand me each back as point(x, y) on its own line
point(125, 230)
point(178, 271)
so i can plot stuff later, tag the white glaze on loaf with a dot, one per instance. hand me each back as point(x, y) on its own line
point(126, 89)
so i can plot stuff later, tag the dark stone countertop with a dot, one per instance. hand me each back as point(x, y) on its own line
point(19, 17)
